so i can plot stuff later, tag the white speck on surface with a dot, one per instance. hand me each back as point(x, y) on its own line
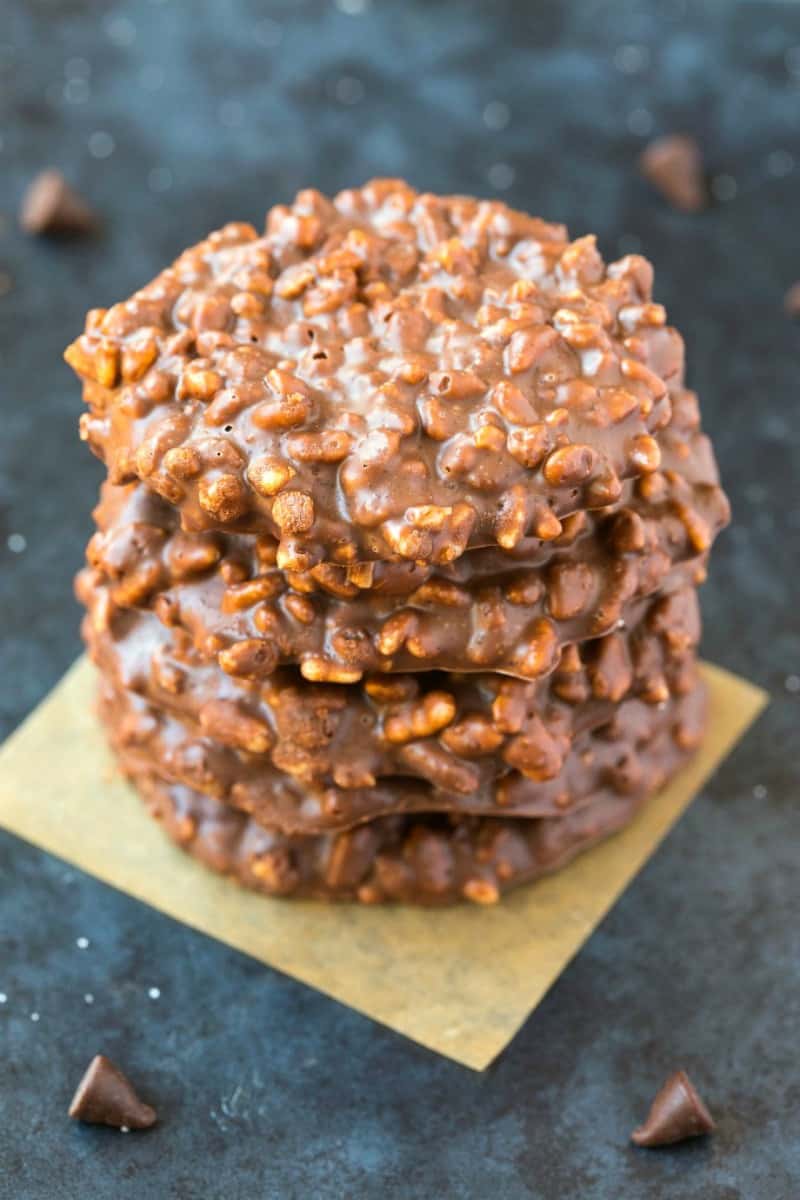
point(759, 792)
point(34, 1016)
point(88, 998)
point(348, 90)
point(496, 115)
point(640, 122)
point(230, 1105)
point(724, 187)
point(631, 59)
point(101, 144)
point(231, 113)
point(82, 943)
point(120, 30)
point(780, 163)
point(151, 77)
point(16, 543)
point(76, 91)
point(268, 33)
point(353, 8)
point(159, 179)
point(154, 993)
point(792, 684)
point(3, 998)
point(124, 1129)
point(77, 68)
point(501, 176)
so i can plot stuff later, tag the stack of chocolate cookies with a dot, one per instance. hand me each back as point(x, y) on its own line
point(393, 593)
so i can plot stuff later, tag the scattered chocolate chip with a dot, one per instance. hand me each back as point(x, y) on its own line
point(50, 206)
point(791, 301)
point(105, 1097)
point(674, 165)
point(676, 1113)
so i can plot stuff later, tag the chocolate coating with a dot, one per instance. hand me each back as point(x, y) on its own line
point(307, 757)
point(560, 774)
point(428, 860)
point(485, 611)
point(393, 589)
point(385, 376)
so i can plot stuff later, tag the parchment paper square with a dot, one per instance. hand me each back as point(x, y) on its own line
point(460, 981)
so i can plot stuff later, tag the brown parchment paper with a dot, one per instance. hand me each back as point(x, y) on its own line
point(460, 981)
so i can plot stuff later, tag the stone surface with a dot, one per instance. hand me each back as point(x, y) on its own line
point(264, 1087)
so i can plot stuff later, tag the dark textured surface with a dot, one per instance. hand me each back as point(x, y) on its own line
point(265, 1088)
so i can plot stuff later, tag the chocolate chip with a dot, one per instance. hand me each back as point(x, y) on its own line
point(674, 165)
point(791, 301)
point(105, 1097)
point(50, 206)
point(676, 1113)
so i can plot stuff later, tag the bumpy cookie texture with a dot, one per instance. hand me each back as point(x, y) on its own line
point(482, 612)
point(557, 776)
point(393, 590)
point(307, 757)
point(387, 375)
point(429, 860)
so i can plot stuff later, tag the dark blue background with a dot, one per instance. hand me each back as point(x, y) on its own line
point(266, 1089)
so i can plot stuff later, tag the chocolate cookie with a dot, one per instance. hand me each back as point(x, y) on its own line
point(543, 770)
point(337, 623)
point(386, 376)
point(429, 860)
point(393, 593)
point(471, 742)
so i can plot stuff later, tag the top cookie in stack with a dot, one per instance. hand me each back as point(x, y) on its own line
point(396, 433)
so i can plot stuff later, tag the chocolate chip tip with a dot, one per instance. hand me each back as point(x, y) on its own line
point(791, 301)
point(673, 165)
point(51, 208)
point(676, 1114)
point(105, 1096)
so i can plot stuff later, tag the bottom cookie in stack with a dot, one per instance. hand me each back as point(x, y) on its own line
point(428, 858)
